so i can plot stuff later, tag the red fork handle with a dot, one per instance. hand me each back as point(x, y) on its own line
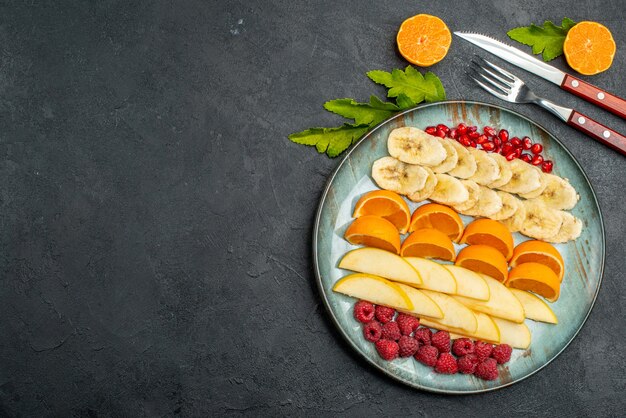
point(597, 131)
point(595, 95)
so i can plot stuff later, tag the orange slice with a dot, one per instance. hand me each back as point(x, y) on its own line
point(386, 204)
point(539, 252)
point(423, 40)
point(440, 217)
point(535, 278)
point(428, 243)
point(373, 231)
point(483, 259)
point(589, 48)
point(491, 233)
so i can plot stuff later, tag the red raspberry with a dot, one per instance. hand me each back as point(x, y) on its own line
point(408, 346)
point(384, 314)
point(363, 311)
point(391, 331)
point(462, 346)
point(372, 331)
point(423, 335)
point(388, 350)
point(427, 354)
point(502, 353)
point(487, 370)
point(407, 323)
point(467, 363)
point(446, 364)
point(482, 350)
point(441, 340)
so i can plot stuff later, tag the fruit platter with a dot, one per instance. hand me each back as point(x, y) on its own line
point(458, 247)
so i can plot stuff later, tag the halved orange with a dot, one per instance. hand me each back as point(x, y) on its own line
point(535, 278)
point(373, 231)
point(428, 243)
point(483, 259)
point(423, 40)
point(491, 233)
point(589, 48)
point(539, 252)
point(440, 217)
point(386, 204)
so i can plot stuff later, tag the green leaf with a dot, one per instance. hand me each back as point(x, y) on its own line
point(371, 113)
point(332, 141)
point(405, 102)
point(547, 39)
point(410, 83)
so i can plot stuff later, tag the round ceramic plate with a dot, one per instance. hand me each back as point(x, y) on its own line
point(584, 258)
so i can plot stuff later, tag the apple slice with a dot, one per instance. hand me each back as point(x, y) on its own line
point(374, 289)
point(455, 315)
point(501, 302)
point(380, 263)
point(468, 283)
point(535, 308)
point(486, 331)
point(422, 304)
point(515, 335)
point(434, 276)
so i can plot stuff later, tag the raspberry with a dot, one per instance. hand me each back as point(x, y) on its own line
point(387, 349)
point(427, 354)
point(363, 311)
point(391, 331)
point(462, 346)
point(384, 314)
point(487, 370)
point(441, 340)
point(408, 346)
point(482, 350)
point(446, 364)
point(373, 331)
point(407, 323)
point(502, 353)
point(467, 364)
point(423, 335)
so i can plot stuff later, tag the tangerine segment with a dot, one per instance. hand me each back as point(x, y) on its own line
point(489, 232)
point(423, 40)
point(428, 243)
point(536, 278)
point(440, 217)
point(483, 259)
point(373, 231)
point(540, 252)
point(589, 48)
point(386, 204)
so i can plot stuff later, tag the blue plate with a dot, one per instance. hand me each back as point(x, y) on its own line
point(584, 258)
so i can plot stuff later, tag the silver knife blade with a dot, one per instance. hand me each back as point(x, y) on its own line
point(515, 56)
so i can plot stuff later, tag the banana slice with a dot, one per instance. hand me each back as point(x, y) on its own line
point(449, 191)
point(558, 193)
point(466, 163)
point(509, 206)
point(505, 171)
point(541, 221)
point(452, 157)
point(571, 228)
point(515, 222)
point(525, 178)
point(487, 169)
point(427, 190)
point(487, 204)
point(539, 190)
point(394, 175)
point(474, 194)
point(414, 146)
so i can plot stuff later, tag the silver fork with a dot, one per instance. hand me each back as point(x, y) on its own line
point(511, 88)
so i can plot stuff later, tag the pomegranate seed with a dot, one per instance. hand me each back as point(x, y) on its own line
point(473, 135)
point(516, 142)
point(497, 141)
point(465, 141)
point(503, 135)
point(511, 156)
point(537, 160)
point(498, 150)
point(440, 133)
point(527, 143)
point(488, 130)
point(507, 147)
point(472, 128)
point(473, 144)
point(462, 128)
point(489, 146)
point(547, 166)
point(430, 130)
point(518, 152)
point(443, 128)
point(454, 134)
point(482, 139)
point(536, 148)
point(526, 158)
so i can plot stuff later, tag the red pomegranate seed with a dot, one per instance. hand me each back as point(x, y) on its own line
point(516, 142)
point(473, 135)
point(488, 130)
point(507, 147)
point(489, 146)
point(443, 128)
point(537, 160)
point(527, 143)
point(472, 128)
point(473, 144)
point(526, 158)
point(464, 140)
point(498, 150)
point(503, 135)
point(430, 130)
point(518, 152)
point(547, 166)
point(536, 148)
point(482, 139)
point(462, 128)
point(454, 134)
point(497, 141)
point(440, 133)
point(511, 156)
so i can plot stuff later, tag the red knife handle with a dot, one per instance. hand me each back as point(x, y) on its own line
point(598, 131)
point(595, 95)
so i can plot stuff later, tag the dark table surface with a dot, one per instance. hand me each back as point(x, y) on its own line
point(155, 222)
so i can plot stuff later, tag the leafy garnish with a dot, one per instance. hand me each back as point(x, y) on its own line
point(548, 38)
point(332, 141)
point(411, 83)
point(371, 113)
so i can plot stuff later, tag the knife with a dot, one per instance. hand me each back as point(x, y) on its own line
point(567, 82)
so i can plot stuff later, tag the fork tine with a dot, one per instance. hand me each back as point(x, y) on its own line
point(489, 89)
point(504, 89)
point(480, 70)
point(502, 71)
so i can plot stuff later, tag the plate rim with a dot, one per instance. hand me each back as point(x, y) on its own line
point(322, 291)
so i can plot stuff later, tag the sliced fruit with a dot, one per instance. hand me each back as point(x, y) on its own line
point(374, 289)
point(486, 331)
point(414, 146)
point(510, 204)
point(483, 259)
point(423, 40)
point(516, 222)
point(487, 168)
point(570, 229)
point(423, 305)
point(535, 308)
point(434, 276)
point(535, 278)
point(468, 283)
point(589, 48)
point(539, 252)
point(505, 172)
point(501, 302)
point(428, 243)
point(452, 157)
point(466, 163)
point(558, 193)
point(427, 190)
point(440, 217)
point(455, 314)
point(487, 204)
point(541, 221)
point(517, 335)
point(385, 204)
point(491, 233)
point(544, 183)
point(449, 191)
point(474, 194)
point(380, 263)
point(373, 231)
point(394, 175)
point(525, 178)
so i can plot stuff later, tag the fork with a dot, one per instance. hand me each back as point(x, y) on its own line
point(511, 88)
